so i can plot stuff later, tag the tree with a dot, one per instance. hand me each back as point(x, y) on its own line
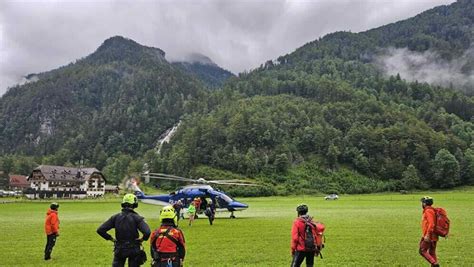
point(410, 179)
point(6, 164)
point(332, 155)
point(446, 170)
point(117, 168)
point(99, 157)
point(468, 167)
point(362, 163)
point(21, 165)
point(281, 163)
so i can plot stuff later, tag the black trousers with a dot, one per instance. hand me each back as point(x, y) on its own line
point(50, 242)
point(122, 254)
point(211, 219)
point(300, 256)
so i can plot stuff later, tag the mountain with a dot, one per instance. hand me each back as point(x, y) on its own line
point(386, 109)
point(119, 99)
point(330, 117)
point(204, 69)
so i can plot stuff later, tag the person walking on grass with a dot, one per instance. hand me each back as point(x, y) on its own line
point(429, 239)
point(299, 249)
point(51, 228)
point(210, 211)
point(127, 242)
point(191, 212)
point(177, 206)
point(197, 204)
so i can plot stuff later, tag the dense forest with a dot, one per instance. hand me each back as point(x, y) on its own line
point(325, 118)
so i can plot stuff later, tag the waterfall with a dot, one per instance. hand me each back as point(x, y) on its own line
point(166, 137)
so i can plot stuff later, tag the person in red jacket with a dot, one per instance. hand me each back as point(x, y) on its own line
point(429, 238)
point(298, 248)
point(51, 228)
point(167, 243)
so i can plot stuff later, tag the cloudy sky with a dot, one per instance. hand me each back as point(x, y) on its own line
point(37, 36)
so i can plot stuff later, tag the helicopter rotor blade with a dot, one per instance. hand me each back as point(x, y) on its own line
point(168, 177)
point(230, 183)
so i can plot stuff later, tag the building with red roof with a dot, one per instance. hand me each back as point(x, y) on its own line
point(18, 182)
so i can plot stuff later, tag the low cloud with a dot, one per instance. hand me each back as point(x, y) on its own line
point(430, 67)
point(37, 36)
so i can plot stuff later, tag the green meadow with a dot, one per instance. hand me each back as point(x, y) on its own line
point(361, 230)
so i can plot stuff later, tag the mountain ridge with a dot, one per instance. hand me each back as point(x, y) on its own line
point(323, 118)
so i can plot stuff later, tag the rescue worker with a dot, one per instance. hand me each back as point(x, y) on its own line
point(210, 212)
point(127, 242)
point(192, 213)
point(429, 238)
point(167, 243)
point(298, 250)
point(197, 204)
point(204, 203)
point(51, 228)
point(177, 206)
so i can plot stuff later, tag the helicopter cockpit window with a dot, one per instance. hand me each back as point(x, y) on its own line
point(225, 198)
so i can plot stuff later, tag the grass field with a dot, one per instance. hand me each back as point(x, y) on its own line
point(362, 230)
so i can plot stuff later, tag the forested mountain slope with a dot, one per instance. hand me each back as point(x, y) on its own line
point(342, 111)
point(118, 99)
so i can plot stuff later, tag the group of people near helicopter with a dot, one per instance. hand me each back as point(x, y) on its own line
point(197, 206)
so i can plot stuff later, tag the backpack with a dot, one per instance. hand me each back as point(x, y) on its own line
point(442, 222)
point(309, 240)
point(314, 237)
point(320, 238)
point(155, 250)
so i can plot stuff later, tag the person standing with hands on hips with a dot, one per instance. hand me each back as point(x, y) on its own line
point(127, 242)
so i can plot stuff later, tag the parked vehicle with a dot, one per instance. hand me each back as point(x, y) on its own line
point(331, 197)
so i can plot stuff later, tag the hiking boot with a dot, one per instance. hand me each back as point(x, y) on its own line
point(47, 257)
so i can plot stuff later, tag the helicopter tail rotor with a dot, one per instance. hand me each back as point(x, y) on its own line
point(131, 184)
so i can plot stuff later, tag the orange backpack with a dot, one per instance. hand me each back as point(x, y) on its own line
point(442, 222)
point(319, 238)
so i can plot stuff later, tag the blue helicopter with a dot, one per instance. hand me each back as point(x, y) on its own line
point(199, 188)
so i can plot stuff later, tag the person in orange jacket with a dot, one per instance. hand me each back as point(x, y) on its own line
point(197, 204)
point(51, 228)
point(298, 248)
point(167, 244)
point(429, 238)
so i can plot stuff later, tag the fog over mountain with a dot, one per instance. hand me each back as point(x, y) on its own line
point(238, 35)
point(430, 67)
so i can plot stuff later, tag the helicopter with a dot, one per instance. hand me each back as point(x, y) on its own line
point(199, 188)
